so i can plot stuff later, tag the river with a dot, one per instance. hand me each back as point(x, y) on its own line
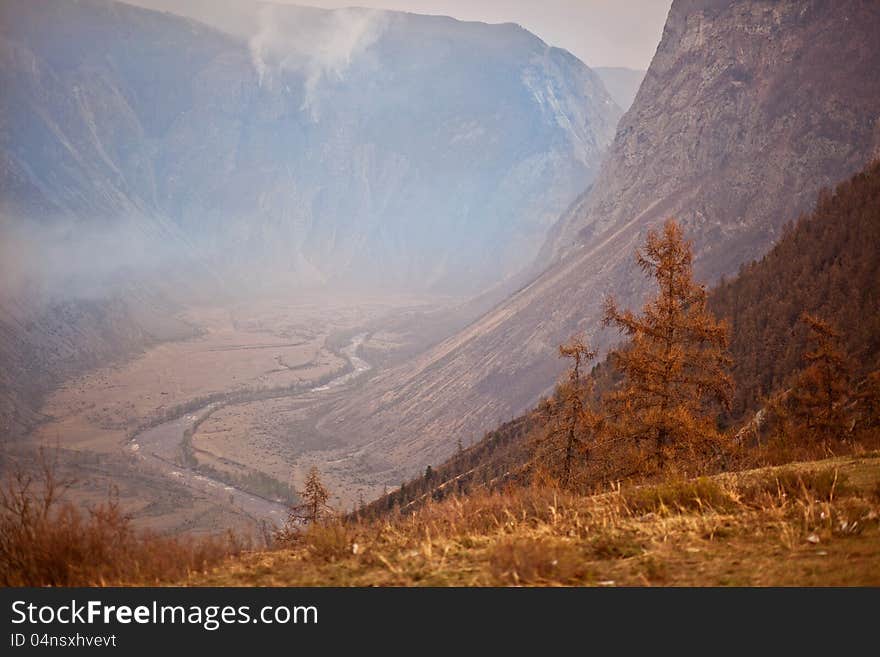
point(160, 446)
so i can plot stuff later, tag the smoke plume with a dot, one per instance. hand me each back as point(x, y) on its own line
point(317, 44)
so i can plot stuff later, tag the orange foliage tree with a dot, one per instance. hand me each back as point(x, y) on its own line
point(675, 366)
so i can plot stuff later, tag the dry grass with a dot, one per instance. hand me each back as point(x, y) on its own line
point(537, 560)
point(46, 541)
point(803, 524)
point(702, 494)
point(815, 524)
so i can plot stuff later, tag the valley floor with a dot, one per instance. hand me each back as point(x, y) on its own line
point(249, 388)
point(807, 524)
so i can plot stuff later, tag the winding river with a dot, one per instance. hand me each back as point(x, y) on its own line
point(160, 447)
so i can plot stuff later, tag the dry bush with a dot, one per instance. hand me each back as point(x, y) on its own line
point(46, 541)
point(329, 541)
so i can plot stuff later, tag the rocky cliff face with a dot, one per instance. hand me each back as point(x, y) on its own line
point(749, 109)
point(350, 145)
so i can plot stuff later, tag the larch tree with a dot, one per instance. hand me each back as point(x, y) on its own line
point(675, 366)
point(819, 394)
point(868, 401)
point(569, 419)
point(314, 506)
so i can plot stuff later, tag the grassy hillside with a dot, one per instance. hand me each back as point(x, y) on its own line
point(813, 523)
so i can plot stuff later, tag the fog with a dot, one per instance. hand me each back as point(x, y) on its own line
point(47, 262)
point(439, 174)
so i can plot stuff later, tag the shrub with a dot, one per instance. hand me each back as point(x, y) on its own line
point(329, 541)
point(45, 541)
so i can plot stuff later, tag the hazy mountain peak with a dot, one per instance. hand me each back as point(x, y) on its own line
point(345, 145)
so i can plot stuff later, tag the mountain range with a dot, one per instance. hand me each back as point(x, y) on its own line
point(352, 146)
point(148, 160)
point(396, 151)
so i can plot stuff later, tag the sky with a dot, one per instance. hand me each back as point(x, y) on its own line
point(599, 32)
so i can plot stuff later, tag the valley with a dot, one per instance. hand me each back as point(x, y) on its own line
point(237, 403)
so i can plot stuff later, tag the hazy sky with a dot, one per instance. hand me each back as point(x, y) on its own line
point(600, 32)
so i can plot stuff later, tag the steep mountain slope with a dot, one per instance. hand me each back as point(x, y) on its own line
point(347, 145)
point(748, 109)
point(825, 264)
point(622, 83)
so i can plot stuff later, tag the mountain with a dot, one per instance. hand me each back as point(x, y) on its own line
point(815, 267)
point(748, 109)
point(149, 160)
point(622, 83)
point(351, 146)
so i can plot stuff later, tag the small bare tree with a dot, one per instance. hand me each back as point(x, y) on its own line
point(569, 418)
point(314, 506)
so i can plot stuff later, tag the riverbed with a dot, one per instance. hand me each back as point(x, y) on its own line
point(161, 446)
